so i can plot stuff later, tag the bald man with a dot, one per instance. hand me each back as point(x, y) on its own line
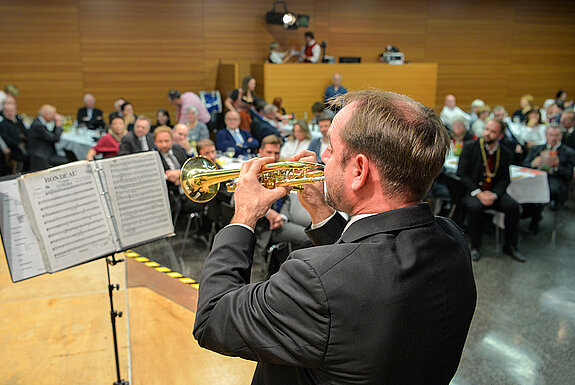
point(45, 132)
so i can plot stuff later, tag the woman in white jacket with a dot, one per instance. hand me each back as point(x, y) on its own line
point(299, 139)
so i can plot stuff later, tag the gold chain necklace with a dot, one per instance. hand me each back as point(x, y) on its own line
point(486, 164)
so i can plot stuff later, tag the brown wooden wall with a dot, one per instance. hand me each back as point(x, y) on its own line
point(56, 50)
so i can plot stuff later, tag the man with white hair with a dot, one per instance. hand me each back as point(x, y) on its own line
point(89, 115)
point(333, 90)
point(450, 111)
point(44, 133)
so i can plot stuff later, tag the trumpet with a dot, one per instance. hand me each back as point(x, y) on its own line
point(200, 177)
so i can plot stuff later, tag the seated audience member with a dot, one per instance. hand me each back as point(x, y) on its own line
point(561, 98)
point(264, 121)
point(276, 226)
point(89, 115)
point(117, 108)
point(333, 90)
point(196, 130)
point(278, 102)
point(129, 116)
point(233, 137)
point(553, 113)
point(533, 131)
point(138, 140)
point(276, 56)
point(478, 125)
point(109, 144)
point(568, 127)
point(558, 161)
point(318, 145)
point(162, 119)
point(526, 103)
point(44, 133)
point(512, 139)
point(459, 135)
point(10, 90)
point(13, 133)
point(180, 133)
point(474, 115)
point(451, 111)
point(318, 109)
point(299, 139)
point(311, 51)
point(173, 157)
point(207, 148)
point(185, 100)
point(484, 169)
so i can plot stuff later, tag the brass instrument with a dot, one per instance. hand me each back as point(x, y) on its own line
point(200, 177)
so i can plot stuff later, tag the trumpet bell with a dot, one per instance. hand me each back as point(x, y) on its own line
point(196, 181)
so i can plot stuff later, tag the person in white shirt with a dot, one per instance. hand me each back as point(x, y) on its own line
point(299, 139)
point(278, 57)
point(451, 111)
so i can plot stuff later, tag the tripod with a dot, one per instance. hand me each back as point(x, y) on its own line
point(111, 260)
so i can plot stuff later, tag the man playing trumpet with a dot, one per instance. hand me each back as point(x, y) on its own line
point(386, 298)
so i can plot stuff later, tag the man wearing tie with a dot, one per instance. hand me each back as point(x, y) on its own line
point(89, 115)
point(232, 136)
point(138, 140)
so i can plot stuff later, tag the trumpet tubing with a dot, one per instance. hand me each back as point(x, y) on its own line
point(200, 178)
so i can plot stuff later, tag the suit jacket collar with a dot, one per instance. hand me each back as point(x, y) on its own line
point(389, 221)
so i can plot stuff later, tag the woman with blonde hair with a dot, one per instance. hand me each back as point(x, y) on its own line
point(526, 103)
point(299, 139)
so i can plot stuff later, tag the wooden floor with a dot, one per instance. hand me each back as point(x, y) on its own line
point(55, 329)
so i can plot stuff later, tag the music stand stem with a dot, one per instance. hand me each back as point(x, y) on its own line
point(111, 260)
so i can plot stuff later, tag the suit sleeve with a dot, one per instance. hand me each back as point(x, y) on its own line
point(329, 233)
point(125, 147)
point(284, 320)
point(223, 140)
point(533, 153)
point(464, 170)
point(566, 164)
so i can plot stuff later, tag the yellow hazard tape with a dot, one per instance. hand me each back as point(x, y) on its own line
point(162, 269)
point(152, 264)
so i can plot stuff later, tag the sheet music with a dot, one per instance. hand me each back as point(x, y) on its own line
point(139, 197)
point(70, 215)
point(22, 250)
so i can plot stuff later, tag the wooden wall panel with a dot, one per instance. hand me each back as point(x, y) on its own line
point(491, 49)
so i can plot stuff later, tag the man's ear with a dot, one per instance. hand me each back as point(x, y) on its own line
point(360, 165)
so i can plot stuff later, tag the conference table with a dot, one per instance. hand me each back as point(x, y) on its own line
point(527, 185)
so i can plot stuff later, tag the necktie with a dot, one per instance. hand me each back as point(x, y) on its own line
point(144, 144)
point(238, 138)
point(172, 161)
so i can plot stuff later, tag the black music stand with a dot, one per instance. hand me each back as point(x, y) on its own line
point(111, 260)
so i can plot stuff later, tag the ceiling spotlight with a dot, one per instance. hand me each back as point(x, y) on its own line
point(288, 19)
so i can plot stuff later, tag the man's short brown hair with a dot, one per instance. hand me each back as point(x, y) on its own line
point(405, 139)
point(204, 143)
point(161, 129)
point(271, 139)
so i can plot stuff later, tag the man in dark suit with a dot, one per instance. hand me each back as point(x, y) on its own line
point(318, 145)
point(558, 161)
point(484, 169)
point(568, 125)
point(44, 133)
point(390, 301)
point(263, 122)
point(173, 157)
point(89, 115)
point(140, 139)
point(13, 132)
point(233, 137)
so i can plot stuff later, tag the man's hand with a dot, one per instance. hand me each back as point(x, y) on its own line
point(252, 200)
point(58, 120)
point(312, 197)
point(536, 162)
point(173, 176)
point(275, 219)
point(487, 198)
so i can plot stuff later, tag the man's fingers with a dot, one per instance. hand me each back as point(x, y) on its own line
point(305, 156)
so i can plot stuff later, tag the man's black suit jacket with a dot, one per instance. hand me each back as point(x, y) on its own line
point(471, 169)
point(566, 161)
point(11, 132)
point(41, 143)
point(390, 303)
point(97, 120)
point(181, 156)
point(130, 143)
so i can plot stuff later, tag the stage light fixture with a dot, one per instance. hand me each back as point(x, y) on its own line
point(286, 18)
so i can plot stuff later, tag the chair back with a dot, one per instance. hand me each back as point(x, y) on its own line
point(212, 100)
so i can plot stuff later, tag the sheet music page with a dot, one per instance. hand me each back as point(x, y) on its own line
point(22, 250)
point(139, 197)
point(70, 217)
